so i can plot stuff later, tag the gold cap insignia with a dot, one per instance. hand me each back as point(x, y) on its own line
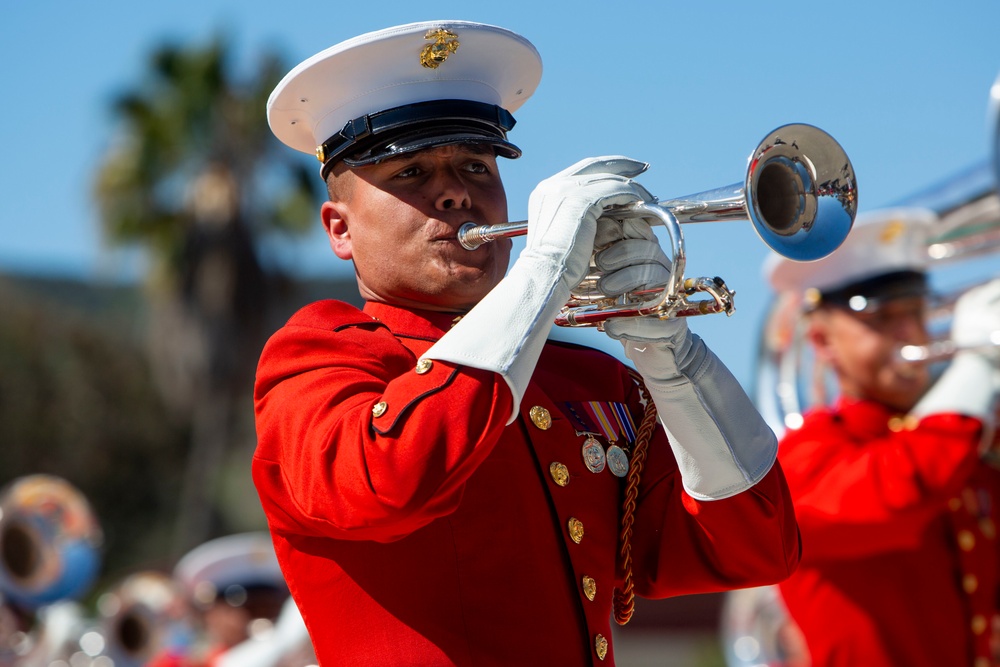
point(445, 44)
point(892, 231)
point(812, 298)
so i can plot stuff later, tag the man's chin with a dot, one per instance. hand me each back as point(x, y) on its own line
point(458, 295)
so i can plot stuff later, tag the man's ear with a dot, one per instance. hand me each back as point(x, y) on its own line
point(334, 215)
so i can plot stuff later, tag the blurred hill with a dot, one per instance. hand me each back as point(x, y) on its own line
point(77, 400)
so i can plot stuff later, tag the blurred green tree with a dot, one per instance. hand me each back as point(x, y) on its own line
point(195, 178)
point(77, 401)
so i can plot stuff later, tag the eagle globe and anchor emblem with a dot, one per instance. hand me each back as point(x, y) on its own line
point(445, 44)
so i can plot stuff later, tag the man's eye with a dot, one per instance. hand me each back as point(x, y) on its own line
point(477, 168)
point(409, 172)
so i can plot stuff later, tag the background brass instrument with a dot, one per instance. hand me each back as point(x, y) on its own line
point(799, 192)
point(941, 347)
point(50, 544)
point(966, 239)
point(788, 381)
point(756, 630)
point(49, 541)
point(143, 615)
point(755, 627)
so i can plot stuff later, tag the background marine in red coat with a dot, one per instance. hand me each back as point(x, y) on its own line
point(898, 511)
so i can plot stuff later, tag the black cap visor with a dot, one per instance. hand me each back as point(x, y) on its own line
point(868, 294)
point(376, 137)
point(418, 140)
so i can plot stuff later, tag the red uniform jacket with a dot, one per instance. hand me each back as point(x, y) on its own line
point(899, 551)
point(427, 532)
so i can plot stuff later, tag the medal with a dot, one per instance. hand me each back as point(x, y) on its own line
point(593, 454)
point(609, 420)
point(617, 461)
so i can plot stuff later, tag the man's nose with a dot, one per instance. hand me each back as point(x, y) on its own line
point(452, 190)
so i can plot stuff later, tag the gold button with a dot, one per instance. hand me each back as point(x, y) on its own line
point(380, 408)
point(423, 366)
point(988, 527)
point(982, 662)
point(970, 583)
point(589, 587)
point(575, 529)
point(966, 540)
point(955, 504)
point(540, 417)
point(560, 473)
point(601, 646)
point(895, 424)
point(978, 624)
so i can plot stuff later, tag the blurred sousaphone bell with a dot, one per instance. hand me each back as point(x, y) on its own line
point(142, 616)
point(49, 556)
point(799, 192)
point(50, 541)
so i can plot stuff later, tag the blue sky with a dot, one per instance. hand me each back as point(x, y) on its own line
point(689, 87)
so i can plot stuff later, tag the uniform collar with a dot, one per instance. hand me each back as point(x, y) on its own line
point(865, 418)
point(412, 322)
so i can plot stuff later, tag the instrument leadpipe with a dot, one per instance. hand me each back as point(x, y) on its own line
point(799, 192)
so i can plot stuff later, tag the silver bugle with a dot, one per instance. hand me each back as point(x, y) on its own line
point(800, 193)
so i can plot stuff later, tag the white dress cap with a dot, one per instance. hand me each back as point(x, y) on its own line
point(244, 559)
point(881, 242)
point(397, 67)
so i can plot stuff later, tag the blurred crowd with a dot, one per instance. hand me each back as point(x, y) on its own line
point(223, 604)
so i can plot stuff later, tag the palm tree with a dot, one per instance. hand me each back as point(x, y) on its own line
point(196, 179)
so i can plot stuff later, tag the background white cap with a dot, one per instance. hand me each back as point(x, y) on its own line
point(881, 242)
point(245, 559)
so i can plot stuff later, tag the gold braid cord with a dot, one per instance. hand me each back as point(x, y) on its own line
point(624, 598)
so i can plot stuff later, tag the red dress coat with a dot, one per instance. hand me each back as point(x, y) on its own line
point(899, 551)
point(415, 528)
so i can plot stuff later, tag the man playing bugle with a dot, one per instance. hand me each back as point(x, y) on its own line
point(443, 485)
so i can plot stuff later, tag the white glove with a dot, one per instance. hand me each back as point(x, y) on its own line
point(506, 331)
point(971, 383)
point(631, 258)
point(721, 443)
